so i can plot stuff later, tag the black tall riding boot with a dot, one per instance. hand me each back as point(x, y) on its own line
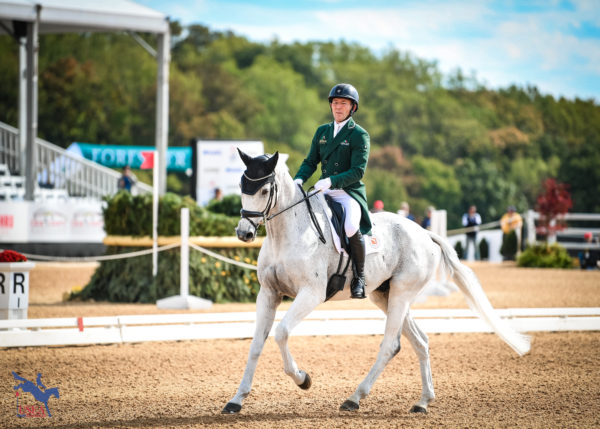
point(357, 247)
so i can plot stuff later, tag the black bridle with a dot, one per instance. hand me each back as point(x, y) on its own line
point(272, 202)
point(247, 214)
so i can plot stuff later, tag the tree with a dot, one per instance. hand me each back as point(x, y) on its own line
point(552, 204)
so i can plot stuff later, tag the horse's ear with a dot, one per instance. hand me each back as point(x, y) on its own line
point(245, 158)
point(272, 162)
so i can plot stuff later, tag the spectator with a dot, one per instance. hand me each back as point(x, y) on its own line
point(405, 211)
point(377, 206)
point(511, 224)
point(589, 258)
point(218, 196)
point(472, 220)
point(426, 223)
point(127, 179)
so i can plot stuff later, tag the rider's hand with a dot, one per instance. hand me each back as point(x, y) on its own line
point(298, 181)
point(323, 184)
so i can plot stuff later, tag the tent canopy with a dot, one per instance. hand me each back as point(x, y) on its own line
point(71, 16)
point(26, 19)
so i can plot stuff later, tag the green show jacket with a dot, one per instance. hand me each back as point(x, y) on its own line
point(344, 160)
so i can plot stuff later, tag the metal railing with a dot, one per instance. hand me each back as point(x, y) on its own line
point(59, 169)
point(9, 148)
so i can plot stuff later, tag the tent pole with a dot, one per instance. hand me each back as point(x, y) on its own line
point(32, 104)
point(162, 106)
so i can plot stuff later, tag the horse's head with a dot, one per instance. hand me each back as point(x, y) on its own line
point(259, 193)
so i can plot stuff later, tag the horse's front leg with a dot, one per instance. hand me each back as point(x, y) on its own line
point(306, 301)
point(267, 302)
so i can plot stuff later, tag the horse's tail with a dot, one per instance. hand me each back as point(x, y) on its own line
point(476, 297)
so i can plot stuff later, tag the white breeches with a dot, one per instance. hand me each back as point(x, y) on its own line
point(352, 208)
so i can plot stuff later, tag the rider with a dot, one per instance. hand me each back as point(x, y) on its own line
point(342, 148)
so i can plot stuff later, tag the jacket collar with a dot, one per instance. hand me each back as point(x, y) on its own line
point(339, 138)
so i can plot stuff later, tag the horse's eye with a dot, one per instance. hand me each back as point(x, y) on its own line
point(264, 192)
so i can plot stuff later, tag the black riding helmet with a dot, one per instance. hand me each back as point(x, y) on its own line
point(345, 90)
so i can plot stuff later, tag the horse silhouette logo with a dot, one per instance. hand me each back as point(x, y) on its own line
point(36, 391)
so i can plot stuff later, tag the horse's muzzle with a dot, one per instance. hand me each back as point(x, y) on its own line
point(246, 232)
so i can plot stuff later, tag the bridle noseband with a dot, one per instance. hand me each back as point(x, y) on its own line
point(271, 202)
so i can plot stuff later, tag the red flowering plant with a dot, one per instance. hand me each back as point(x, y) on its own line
point(552, 205)
point(12, 256)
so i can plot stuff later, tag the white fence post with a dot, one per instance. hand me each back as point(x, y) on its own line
point(530, 227)
point(155, 173)
point(184, 300)
point(184, 277)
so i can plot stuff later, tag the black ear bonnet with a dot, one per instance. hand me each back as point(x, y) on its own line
point(259, 171)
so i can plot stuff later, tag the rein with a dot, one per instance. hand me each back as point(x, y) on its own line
point(247, 214)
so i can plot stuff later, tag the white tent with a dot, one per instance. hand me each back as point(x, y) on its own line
point(25, 20)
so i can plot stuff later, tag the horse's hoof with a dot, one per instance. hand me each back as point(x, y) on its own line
point(349, 406)
point(231, 408)
point(418, 409)
point(307, 382)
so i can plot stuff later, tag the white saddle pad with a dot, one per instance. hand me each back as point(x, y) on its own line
point(371, 241)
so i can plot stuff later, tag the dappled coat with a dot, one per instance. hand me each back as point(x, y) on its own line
point(344, 160)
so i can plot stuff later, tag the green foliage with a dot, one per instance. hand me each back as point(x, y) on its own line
point(509, 246)
point(384, 186)
point(484, 249)
point(437, 182)
point(230, 205)
point(545, 256)
point(131, 280)
point(483, 184)
point(125, 214)
point(460, 252)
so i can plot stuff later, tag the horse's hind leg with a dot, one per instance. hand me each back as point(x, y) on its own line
point(303, 304)
point(420, 343)
point(397, 309)
point(267, 302)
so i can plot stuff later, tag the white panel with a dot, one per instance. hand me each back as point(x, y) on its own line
point(172, 327)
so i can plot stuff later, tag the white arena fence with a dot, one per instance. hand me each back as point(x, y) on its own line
point(202, 326)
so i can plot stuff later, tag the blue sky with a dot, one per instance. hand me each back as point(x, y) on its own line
point(552, 44)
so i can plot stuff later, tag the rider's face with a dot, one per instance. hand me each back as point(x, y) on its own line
point(340, 107)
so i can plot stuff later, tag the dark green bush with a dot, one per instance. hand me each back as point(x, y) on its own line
point(131, 280)
point(459, 250)
point(509, 246)
point(230, 205)
point(484, 250)
point(125, 214)
point(545, 256)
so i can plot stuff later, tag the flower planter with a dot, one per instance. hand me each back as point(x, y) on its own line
point(14, 289)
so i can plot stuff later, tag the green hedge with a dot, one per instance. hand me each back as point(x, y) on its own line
point(125, 214)
point(131, 280)
point(545, 256)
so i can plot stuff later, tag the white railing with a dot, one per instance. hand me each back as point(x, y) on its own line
point(177, 327)
point(571, 237)
point(60, 169)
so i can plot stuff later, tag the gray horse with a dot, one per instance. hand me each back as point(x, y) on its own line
point(293, 262)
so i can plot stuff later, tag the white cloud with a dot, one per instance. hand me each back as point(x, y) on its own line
point(502, 46)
